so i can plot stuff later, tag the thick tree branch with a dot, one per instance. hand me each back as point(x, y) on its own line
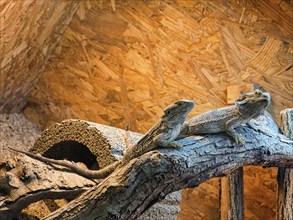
point(24, 180)
point(129, 191)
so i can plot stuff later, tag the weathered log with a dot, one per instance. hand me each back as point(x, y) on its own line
point(285, 175)
point(129, 191)
point(95, 145)
point(24, 180)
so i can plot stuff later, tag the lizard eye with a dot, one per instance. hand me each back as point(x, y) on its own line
point(257, 92)
point(179, 104)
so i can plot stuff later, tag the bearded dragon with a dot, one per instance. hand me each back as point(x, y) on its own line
point(248, 106)
point(162, 134)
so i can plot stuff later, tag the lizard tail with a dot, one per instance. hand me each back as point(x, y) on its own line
point(91, 174)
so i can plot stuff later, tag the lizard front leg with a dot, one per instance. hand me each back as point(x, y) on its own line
point(165, 140)
point(229, 126)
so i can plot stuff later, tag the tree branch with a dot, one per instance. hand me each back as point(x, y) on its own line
point(133, 188)
point(24, 181)
point(130, 190)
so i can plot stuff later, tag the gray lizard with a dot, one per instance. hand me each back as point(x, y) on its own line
point(248, 106)
point(162, 134)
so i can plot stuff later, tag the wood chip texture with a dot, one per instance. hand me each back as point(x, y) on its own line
point(30, 31)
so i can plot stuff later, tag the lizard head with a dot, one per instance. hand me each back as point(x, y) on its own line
point(178, 111)
point(254, 103)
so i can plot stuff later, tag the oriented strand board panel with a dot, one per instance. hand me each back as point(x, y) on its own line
point(122, 62)
point(30, 31)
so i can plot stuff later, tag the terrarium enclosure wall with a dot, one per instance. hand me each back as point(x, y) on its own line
point(121, 63)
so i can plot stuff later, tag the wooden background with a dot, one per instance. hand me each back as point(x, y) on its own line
point(122, 62)
point(29, 32)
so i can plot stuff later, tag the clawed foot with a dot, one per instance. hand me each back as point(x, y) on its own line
point(237, 137)
point(239, 140)
point(174, 145)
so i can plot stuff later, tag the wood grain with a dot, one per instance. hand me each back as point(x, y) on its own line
point(30, 31)
point(124, 66)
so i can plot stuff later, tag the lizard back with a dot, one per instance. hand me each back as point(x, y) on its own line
point(212, 121)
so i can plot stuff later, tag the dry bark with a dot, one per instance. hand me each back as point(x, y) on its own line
point(130, 190)
point(24, 180)
point(285, 175)
point(232, 204)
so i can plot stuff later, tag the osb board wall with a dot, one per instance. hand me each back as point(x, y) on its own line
point(122, 62)
point(125, 66)
point(30, 31)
